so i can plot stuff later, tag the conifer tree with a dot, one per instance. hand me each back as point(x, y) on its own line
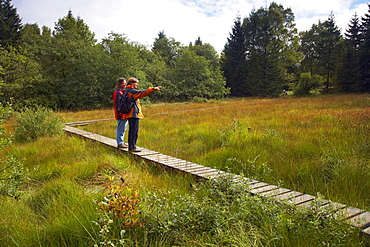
point(328, 49)
point(353, 33)
point(365, 52)
point(233, 61)
point(349, 73)
point(166, 48)
point(73, 28)
point(10, 24)
point(269, 37)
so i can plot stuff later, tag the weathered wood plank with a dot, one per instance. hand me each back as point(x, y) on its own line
point(198, 169)
point(362, 220)
point(347, 212)
point(264, 189)
point(257, 185)
point(301, 199)
point(276, 192)
point(209, 174)
point(288, 195)
point(144, 152)
point(335, 206)
point(314, 203)
point(367, 231)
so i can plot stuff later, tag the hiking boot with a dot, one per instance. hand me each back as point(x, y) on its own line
point(134, 150)
point(122, 146)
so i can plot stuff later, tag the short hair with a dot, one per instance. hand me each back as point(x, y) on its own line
point(119, 82)
point(132, 80)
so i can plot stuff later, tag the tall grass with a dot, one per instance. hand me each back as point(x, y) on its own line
point(57, 206)
point(314, 145)
point(68, 177)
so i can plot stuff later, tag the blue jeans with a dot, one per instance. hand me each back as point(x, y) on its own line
point(120, 132)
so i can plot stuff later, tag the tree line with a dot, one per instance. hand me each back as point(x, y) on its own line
point(265, 54)
point(66, 68)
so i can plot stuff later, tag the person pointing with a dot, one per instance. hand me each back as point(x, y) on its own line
point(135, 114)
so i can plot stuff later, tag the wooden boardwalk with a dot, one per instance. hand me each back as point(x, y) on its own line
point(354, 216)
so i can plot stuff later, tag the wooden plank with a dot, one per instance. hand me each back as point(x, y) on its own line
point(367, 231)
point(362, 220)
point(314, 203)
point(257, 185)
point(75, 130)
point(158, 157)
point(301, 199)
point(276, 192)
point(335, 206)
point(143, 152)
point(288, 195)
point(264, 189)
point(198, 169)
point(183, 166)
point(347, 212)
point(245, 180)
point(166, 160)
point(174, 164)
point(209, 175)
point(193, 168)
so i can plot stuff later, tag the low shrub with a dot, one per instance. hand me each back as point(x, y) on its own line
point(35, 123)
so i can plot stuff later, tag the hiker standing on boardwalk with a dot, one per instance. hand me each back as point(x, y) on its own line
point(135, 113)
point(121, 118)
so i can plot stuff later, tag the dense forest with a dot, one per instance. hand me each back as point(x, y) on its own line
point(66, 68)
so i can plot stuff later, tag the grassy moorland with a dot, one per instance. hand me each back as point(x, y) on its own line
point(315, 145)
point(74, 195)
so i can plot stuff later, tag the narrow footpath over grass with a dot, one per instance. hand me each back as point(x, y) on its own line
point(353, 216)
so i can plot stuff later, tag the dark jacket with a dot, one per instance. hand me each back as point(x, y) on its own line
point(135, 111)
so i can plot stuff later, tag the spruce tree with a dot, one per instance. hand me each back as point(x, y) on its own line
point(166, 48)
point(328, 49)
point(349, 73)
point(365, 52)
point(233, 61)
point(73, 28)
point(353, 33)
point(10, 24)
point(269, 37)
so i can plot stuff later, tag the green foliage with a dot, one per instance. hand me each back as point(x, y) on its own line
point(322, 46)
point(118, 211)
point(166, 48)
point(4, 113)
point(194, 76)
point(66, 68)
point(12, 172)
point(261, 54)
point(22, 80)
point(59, 209)
point(12, 176)
point(226, 214)
point(33, 123)
point(306, 83)
point(70, 26)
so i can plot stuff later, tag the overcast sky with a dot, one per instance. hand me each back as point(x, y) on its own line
point(183, 20)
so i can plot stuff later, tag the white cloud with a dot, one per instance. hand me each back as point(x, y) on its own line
point(183, 20)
